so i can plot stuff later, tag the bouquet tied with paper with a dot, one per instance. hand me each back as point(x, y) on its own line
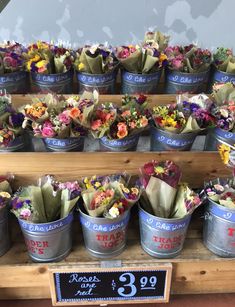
point(5, 190)
point(109, 196)
point(163, 195)
point(224, 60)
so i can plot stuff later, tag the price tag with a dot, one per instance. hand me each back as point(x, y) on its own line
point(110, 285)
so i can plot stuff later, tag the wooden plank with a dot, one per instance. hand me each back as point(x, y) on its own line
point(28, 167)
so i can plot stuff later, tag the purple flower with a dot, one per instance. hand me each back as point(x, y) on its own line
point(16, 119)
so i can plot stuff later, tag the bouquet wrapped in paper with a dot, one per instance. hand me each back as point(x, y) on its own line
point(109, 196)
point(47, 58)
point(190, 114)
point(188, 59)
point(224, 60)
point(164, 196)
point(95, 59)
point(11, 57)
point(5, 190)
point(49, 201)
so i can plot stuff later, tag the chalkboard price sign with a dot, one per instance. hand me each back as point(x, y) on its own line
point(103, 286)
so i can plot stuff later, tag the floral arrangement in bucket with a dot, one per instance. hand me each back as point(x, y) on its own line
point(112, 124)
point(11, 131)
point(5, 190)
point(224, 60)
point(11, 57)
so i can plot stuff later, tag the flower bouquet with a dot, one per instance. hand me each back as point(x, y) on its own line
point(11, 132)
point(175, 126)
point(5, 197)
point(105, 215)
point(119, 128)
point(166, 206)
point(44, 212)
point(142, 64)
point(13, 77)
point(60, 122)
point(223, 66)
point(223, 110)
point(51, 67)
point(188, 69)
point(96, 68)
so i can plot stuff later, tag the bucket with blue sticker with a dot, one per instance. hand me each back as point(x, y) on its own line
point(162, 237)
point(219, 229)
point(57, 83)
point(140, 83)
point(5, 241)
point(14, 82)
point(104, 237)
point(103, 83)
point(218, 76)
point(178, 82)
point(216, 136)
point(48, 242)
point(128, 143)
point(64, 145)
point(18, 144)
point(161, 140)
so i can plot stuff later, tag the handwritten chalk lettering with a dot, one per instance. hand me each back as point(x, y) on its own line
point(62, 77)
point(84, 293)
point(77, 278)
point(110, 240)
point(38, 228)
point(11, 79)
point(168, 243)
point(37, 247)
point(174, 143)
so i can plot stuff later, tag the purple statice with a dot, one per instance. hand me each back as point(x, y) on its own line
point(16, 119)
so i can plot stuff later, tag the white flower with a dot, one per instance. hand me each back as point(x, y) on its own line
point(114, 212)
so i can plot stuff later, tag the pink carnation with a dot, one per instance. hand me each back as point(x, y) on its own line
point(64, 118)
point(48, 132)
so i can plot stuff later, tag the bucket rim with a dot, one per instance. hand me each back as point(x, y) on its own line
point(222, 72)
point(171, 133)
point(141, 74)
point(187, 73)
point(14, 73)
point(221, 207)
point(134, 136)
point(92, 75)
point(58, 74)
point(58, 139)
point(168, 220)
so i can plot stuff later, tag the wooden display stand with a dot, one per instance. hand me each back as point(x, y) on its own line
point(195, 270)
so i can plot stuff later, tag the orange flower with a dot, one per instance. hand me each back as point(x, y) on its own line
point(144, 121)
point(95, 125)
point(126, 113)
point(122, 130)
point(75, 113)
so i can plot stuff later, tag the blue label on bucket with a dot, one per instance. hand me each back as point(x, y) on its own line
point(140, 78)
point(46, 227)
point(95, 79)
point(62, 142)
point(177, 77)
point(12, 77)
point(222, 77)
point(158, 224)
point(120, 143)
point(225, 134)
point(16, 144)
point(172, 142)
point(220, 212)
point(52, 78)
point(104, 227)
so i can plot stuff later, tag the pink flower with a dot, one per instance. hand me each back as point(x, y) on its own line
point(64, 118)
point(177, 63)
point(48, 132)
point(25, 214)
point(95, 125)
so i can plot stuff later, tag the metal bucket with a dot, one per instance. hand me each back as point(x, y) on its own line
point(216, 136)
point(5, 241)
point(161, 237)
point(64, 145)
point(161, 140)
point(218, 76)
point(18, 144)
point(57, 83)
point(140, 83)
point(219, 229)
point(15, 82)
point(178, 82)
point(103, 237)
point(103, 83)
point(48, 242)
point(128, 143)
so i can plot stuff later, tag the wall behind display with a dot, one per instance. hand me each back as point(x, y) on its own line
point(208, 22)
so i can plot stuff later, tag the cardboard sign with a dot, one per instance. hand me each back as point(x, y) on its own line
point(110, 285)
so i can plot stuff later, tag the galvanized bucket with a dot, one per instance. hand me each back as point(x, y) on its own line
point(161, 237)
point(103, 83)
point(218, 76)
point(216, 136)
point(140, 83)
point(161, 140)
point(219, 229)
point(5, 241)
point(18, 144)
point(103, 237)
point(128, 143)
point(178, 82)
point(57, 83)
point(15, 82)
point(64, 145)
point(48, 242)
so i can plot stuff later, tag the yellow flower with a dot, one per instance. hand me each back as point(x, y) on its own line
point(81, 66)
point(5, 195)
point(224, 151)
point(159, 170)
point(163, 57)
point(41, 64)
